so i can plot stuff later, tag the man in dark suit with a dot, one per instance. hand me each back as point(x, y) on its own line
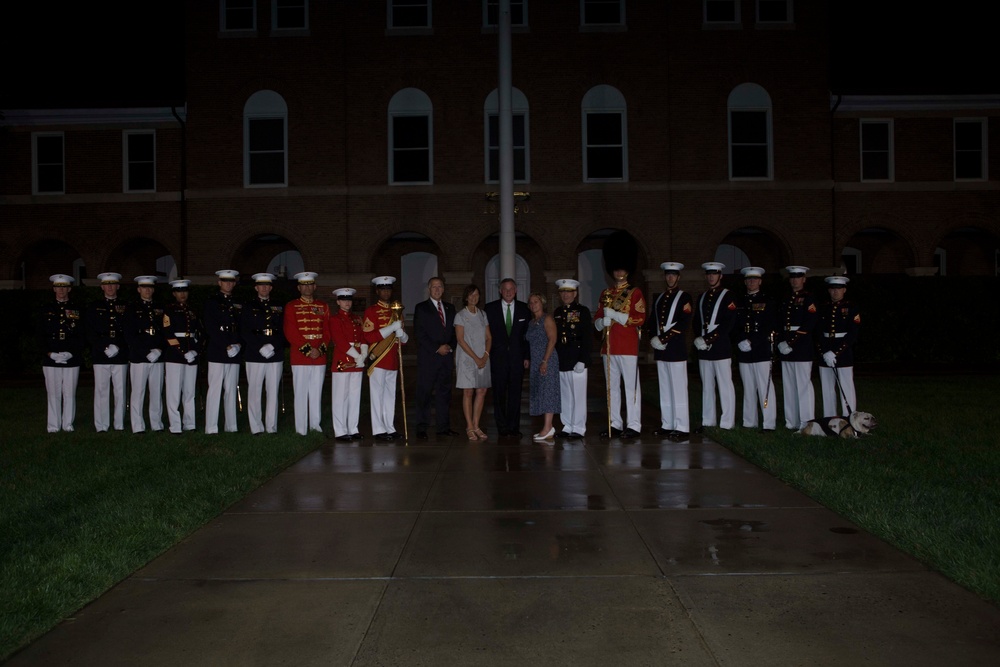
point(434, 325)
point(508, 319)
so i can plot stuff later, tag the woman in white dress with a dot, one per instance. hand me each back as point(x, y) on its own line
point(472, 368)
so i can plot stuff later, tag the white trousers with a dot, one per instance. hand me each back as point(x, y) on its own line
point(382, 394)
point(60, 385)
point(222, 384)
point(828, 383)
point(797, 393)
point(624, 369)
point(758, 389)
point(674, 406)
point(108, 377)
point(307, 384)
point(573, 394)
point(140, 376)
point(345, 391)
point(717, 373)
point(259, 375)
point(181, 384)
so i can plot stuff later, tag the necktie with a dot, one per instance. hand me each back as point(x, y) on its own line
point(509, 308)
point(441, 313)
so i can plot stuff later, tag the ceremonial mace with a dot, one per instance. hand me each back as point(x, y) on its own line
point(397, 314)
point(606, 304)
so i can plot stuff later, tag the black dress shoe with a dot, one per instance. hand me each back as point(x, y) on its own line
point(574, 436)
point(421, 435)
point(562, 434)
point(386, 437)
point(448, 433)
point(630, 433)
point(343, 438)
point(679, 435)
point(662, 431)
point(615, 432)
point(357, 436)
point(700, 429)
point(395, 435)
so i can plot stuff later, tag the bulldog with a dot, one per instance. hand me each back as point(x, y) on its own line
point(855, 426)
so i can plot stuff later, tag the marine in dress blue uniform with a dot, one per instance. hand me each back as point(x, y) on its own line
point(715, 316)
point(797, 320)
point(143, 323)
point(262, 331)
point(836, 334)
point(756, 326)
point(61, 338)
point(574, 342)
point(222, 326)
point(185, 337)
point(108, 353)
point(668, 325)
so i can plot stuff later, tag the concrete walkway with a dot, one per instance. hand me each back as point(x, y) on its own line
point(445, 552)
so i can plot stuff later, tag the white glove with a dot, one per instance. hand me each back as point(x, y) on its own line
point(599, 323)
point(354, 354)
point(657, 343)
point(620, 318)
point(153, 355)
point(388, 329)
point(579, 367)
point(606, 320)
point(233, 350)
point(190, 356)
point(830, 358)
point(784, 348)
point(60, 357)
point(364, 350)
point(267, 351)
point(744, 345)
point(111, 351)
point(402, 336)
point(700, 343)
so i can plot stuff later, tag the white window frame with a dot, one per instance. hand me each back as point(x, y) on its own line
point(737, 20)
point(583, 14)
point(264, 105)
point(519, 107)
point(983, 149)
point(237, 31)
point(890, 150)
point(127, 160)
point(35, 164)
point(789, 17)
point(411, 102)
point(513, 24)
point(290, 29)
point(604, 99)
point(409, 29)
point(750, 97)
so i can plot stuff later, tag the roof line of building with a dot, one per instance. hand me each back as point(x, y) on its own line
point(844, 103)
point(97, 116)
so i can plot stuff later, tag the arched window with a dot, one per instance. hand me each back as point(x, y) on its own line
point(265, 138)
point(605, 135)
point(411, 138)
point(491, 130)
point(750, 150)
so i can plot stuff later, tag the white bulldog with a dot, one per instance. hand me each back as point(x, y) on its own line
point(855, 426)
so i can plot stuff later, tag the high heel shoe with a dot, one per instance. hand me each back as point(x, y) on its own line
point(543, 437)
point(472, 434)
point(481, 435)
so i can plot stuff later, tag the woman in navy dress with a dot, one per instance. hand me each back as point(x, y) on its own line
point(544, 396)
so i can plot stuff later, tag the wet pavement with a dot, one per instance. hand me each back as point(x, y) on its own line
point(594, 552)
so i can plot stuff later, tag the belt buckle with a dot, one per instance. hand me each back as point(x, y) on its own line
point(268, 332)
point(62, 335)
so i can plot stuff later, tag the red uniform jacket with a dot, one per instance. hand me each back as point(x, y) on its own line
point(376, 317)
point(345, 333)
point(305, 329)
point(623, 339)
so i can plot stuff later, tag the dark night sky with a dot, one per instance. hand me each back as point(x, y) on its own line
point(130, 52)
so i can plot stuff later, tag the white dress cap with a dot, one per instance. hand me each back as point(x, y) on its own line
point(149, 281)
point(673, 267)
point(227, 274)
point(344, 293)
point(797, 270)
point(263, 278)
point(61, 280)
point(839, 281)
point(383, 281)
point(109, 278)
point(752, 272)
point(567, 284)
point(180, 284)
point(713, 267)
point(305, 277)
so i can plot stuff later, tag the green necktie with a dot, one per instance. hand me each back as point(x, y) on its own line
point(508, 308)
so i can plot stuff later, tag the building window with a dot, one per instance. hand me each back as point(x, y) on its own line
point(139, 160)
point(774, 11)
point(290, 14)
point(750, 150)
point(518, 13)
point(411, 135)
point(265, 137)
point(237, 15)
point(605, 135)
point(409, 13)
point(876, 150)
point(721, 11)
point(970, 149)
point(48, 164)
point(519, 111)
point(602, 12)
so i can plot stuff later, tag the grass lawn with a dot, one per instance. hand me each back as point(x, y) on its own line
point(926, 481)
point(81, 511)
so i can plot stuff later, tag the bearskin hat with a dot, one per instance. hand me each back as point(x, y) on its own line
point(620, 252)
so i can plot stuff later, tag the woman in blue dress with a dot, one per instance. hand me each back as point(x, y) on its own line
point(544, 364)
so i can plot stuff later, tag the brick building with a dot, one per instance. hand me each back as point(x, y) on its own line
point(359, 139)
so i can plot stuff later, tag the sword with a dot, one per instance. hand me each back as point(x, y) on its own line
point(770, 369)
point(606, 343)
point(397, 308)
